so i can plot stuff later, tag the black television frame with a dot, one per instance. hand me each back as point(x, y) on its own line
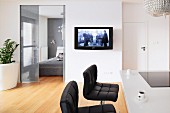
point(96, 47)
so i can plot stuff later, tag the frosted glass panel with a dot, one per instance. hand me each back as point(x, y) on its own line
point(28, 56)
point(29, 43)
point(27, 34)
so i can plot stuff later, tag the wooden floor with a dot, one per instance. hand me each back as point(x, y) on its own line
point(44, 97)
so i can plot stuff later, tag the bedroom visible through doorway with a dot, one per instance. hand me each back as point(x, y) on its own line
point(51, 22)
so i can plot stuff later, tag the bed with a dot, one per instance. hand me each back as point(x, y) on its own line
point(50, 67)
point(53, 66)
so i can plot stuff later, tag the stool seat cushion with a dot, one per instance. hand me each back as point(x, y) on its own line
point(107, 108)
point(103, 91)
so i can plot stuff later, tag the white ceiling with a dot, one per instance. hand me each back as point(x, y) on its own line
point(133, 1)
point(129, 1)
point(51, 11)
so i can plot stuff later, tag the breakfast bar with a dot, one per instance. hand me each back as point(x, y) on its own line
point(155, 85)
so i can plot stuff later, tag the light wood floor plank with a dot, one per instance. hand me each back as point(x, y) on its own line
point(44, 97)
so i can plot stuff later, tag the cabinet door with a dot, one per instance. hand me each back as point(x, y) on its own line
point(135, 46)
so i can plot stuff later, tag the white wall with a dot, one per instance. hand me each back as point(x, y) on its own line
point(42, 31)
point(43, 38)
point(158, 43)
point(93, 13)
point(9, 24)
point(157, 35)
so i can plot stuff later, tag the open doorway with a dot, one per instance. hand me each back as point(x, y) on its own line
point(44, 37)
point(51, 22)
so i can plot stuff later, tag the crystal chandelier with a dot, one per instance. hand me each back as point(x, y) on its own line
point(157, 7)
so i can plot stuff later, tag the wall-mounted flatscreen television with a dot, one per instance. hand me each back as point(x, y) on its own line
point(94, 38)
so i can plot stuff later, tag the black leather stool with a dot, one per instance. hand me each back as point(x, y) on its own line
point(69, 102)
point(98, 91)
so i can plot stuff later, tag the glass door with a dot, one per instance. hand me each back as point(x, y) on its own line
point(29, 22)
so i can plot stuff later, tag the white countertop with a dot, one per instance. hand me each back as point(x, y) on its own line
point(158, 99)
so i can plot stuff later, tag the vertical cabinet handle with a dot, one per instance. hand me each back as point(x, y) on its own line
point(143, 48)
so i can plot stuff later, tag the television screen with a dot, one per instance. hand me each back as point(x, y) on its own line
point(94, 38)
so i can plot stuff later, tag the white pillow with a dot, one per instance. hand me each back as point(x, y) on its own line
point(59, 50)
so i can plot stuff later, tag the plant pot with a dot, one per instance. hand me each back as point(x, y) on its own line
point(8, 75)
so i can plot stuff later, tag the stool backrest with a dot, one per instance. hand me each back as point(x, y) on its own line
point(69, 98)
point(90, 78)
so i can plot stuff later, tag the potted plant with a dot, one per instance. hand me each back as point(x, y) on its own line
point(8, 68)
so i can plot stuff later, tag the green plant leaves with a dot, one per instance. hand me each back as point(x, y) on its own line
point(6, 52)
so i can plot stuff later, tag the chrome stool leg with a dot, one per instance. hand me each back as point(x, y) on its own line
point(102, 102)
